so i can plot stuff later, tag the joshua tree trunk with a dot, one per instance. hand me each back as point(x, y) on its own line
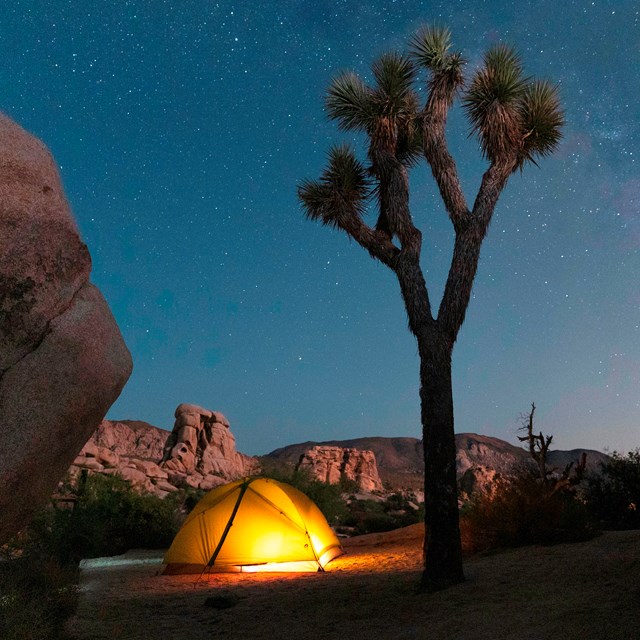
point(442, 547)
point(516, 120)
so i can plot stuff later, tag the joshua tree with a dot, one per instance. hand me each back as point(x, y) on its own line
point(516, 120)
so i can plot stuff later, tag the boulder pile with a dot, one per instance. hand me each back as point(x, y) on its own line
point(200, 453)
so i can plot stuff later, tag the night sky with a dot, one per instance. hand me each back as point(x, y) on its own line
point(182, 127)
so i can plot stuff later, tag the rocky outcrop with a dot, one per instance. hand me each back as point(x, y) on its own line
point(482, 451)
point(477, 479)
point(62, 359)
point(335, 464)
point(200, 452)
point(130, 438)
point(129, 449)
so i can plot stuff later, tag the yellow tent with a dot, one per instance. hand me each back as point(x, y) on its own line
point(253, 525)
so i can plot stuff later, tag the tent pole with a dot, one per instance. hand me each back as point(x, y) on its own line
point(243, 489)
point(315, 555)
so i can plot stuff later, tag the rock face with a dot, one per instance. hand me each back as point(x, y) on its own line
point(62, 359)
point(131, 438)
point(475, 451)
point(200, 452)
point(130, 450)
point(399, 460)
point(477, 479)
point(335, 464)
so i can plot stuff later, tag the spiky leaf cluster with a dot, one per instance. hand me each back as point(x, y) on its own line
point(341, 192)
point(542, 121)
point(386, 111)
point(394, 75)
point(514, 117)
point(350, 102)
point(430, 48)
point(492, 103)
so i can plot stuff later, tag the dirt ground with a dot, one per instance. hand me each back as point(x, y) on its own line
point(585, 591)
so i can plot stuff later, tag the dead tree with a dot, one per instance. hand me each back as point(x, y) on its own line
point(538, 445)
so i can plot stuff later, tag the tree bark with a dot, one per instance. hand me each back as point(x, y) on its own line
point(442, 546)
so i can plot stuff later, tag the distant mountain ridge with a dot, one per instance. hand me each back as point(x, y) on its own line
point(401, 465)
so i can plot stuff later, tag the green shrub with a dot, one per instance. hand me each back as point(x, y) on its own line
point(523, 511)
point(108, 518)
point(354, 515)
point(373, 516)
point(328, 497)
point(613, 495)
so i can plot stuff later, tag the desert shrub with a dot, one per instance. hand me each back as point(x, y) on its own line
point(328, 497)
point(37, 596)
point(367, 516)
point(372, 516)
point(353, 515)
point(613, 494)
point(108, 518)
point(523, 511)
point(188, 499)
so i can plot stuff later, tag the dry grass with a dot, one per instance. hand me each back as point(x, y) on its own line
point(586, 591)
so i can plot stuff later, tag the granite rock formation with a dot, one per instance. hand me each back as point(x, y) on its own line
point(335, 464)
point(130, 438)
point(200, 452)
point(63, 361)
point(477, 479)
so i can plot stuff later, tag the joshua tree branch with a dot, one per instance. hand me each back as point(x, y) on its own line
point(443, 166)
point(470, 233)
point(494, 181)
point(396, 220)
point(377, 243)
point(457, 290)
point(413, 288)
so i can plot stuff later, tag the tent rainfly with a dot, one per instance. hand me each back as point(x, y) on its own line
point(254, 524)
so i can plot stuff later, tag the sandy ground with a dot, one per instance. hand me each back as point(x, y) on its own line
point(585, 591)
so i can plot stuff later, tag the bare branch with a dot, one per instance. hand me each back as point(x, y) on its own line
point(568, 481)
point(538, 444)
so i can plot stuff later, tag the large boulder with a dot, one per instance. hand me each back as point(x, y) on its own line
point(339, 464)
point(63, 361)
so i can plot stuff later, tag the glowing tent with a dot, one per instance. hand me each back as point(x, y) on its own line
point(253, 525)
